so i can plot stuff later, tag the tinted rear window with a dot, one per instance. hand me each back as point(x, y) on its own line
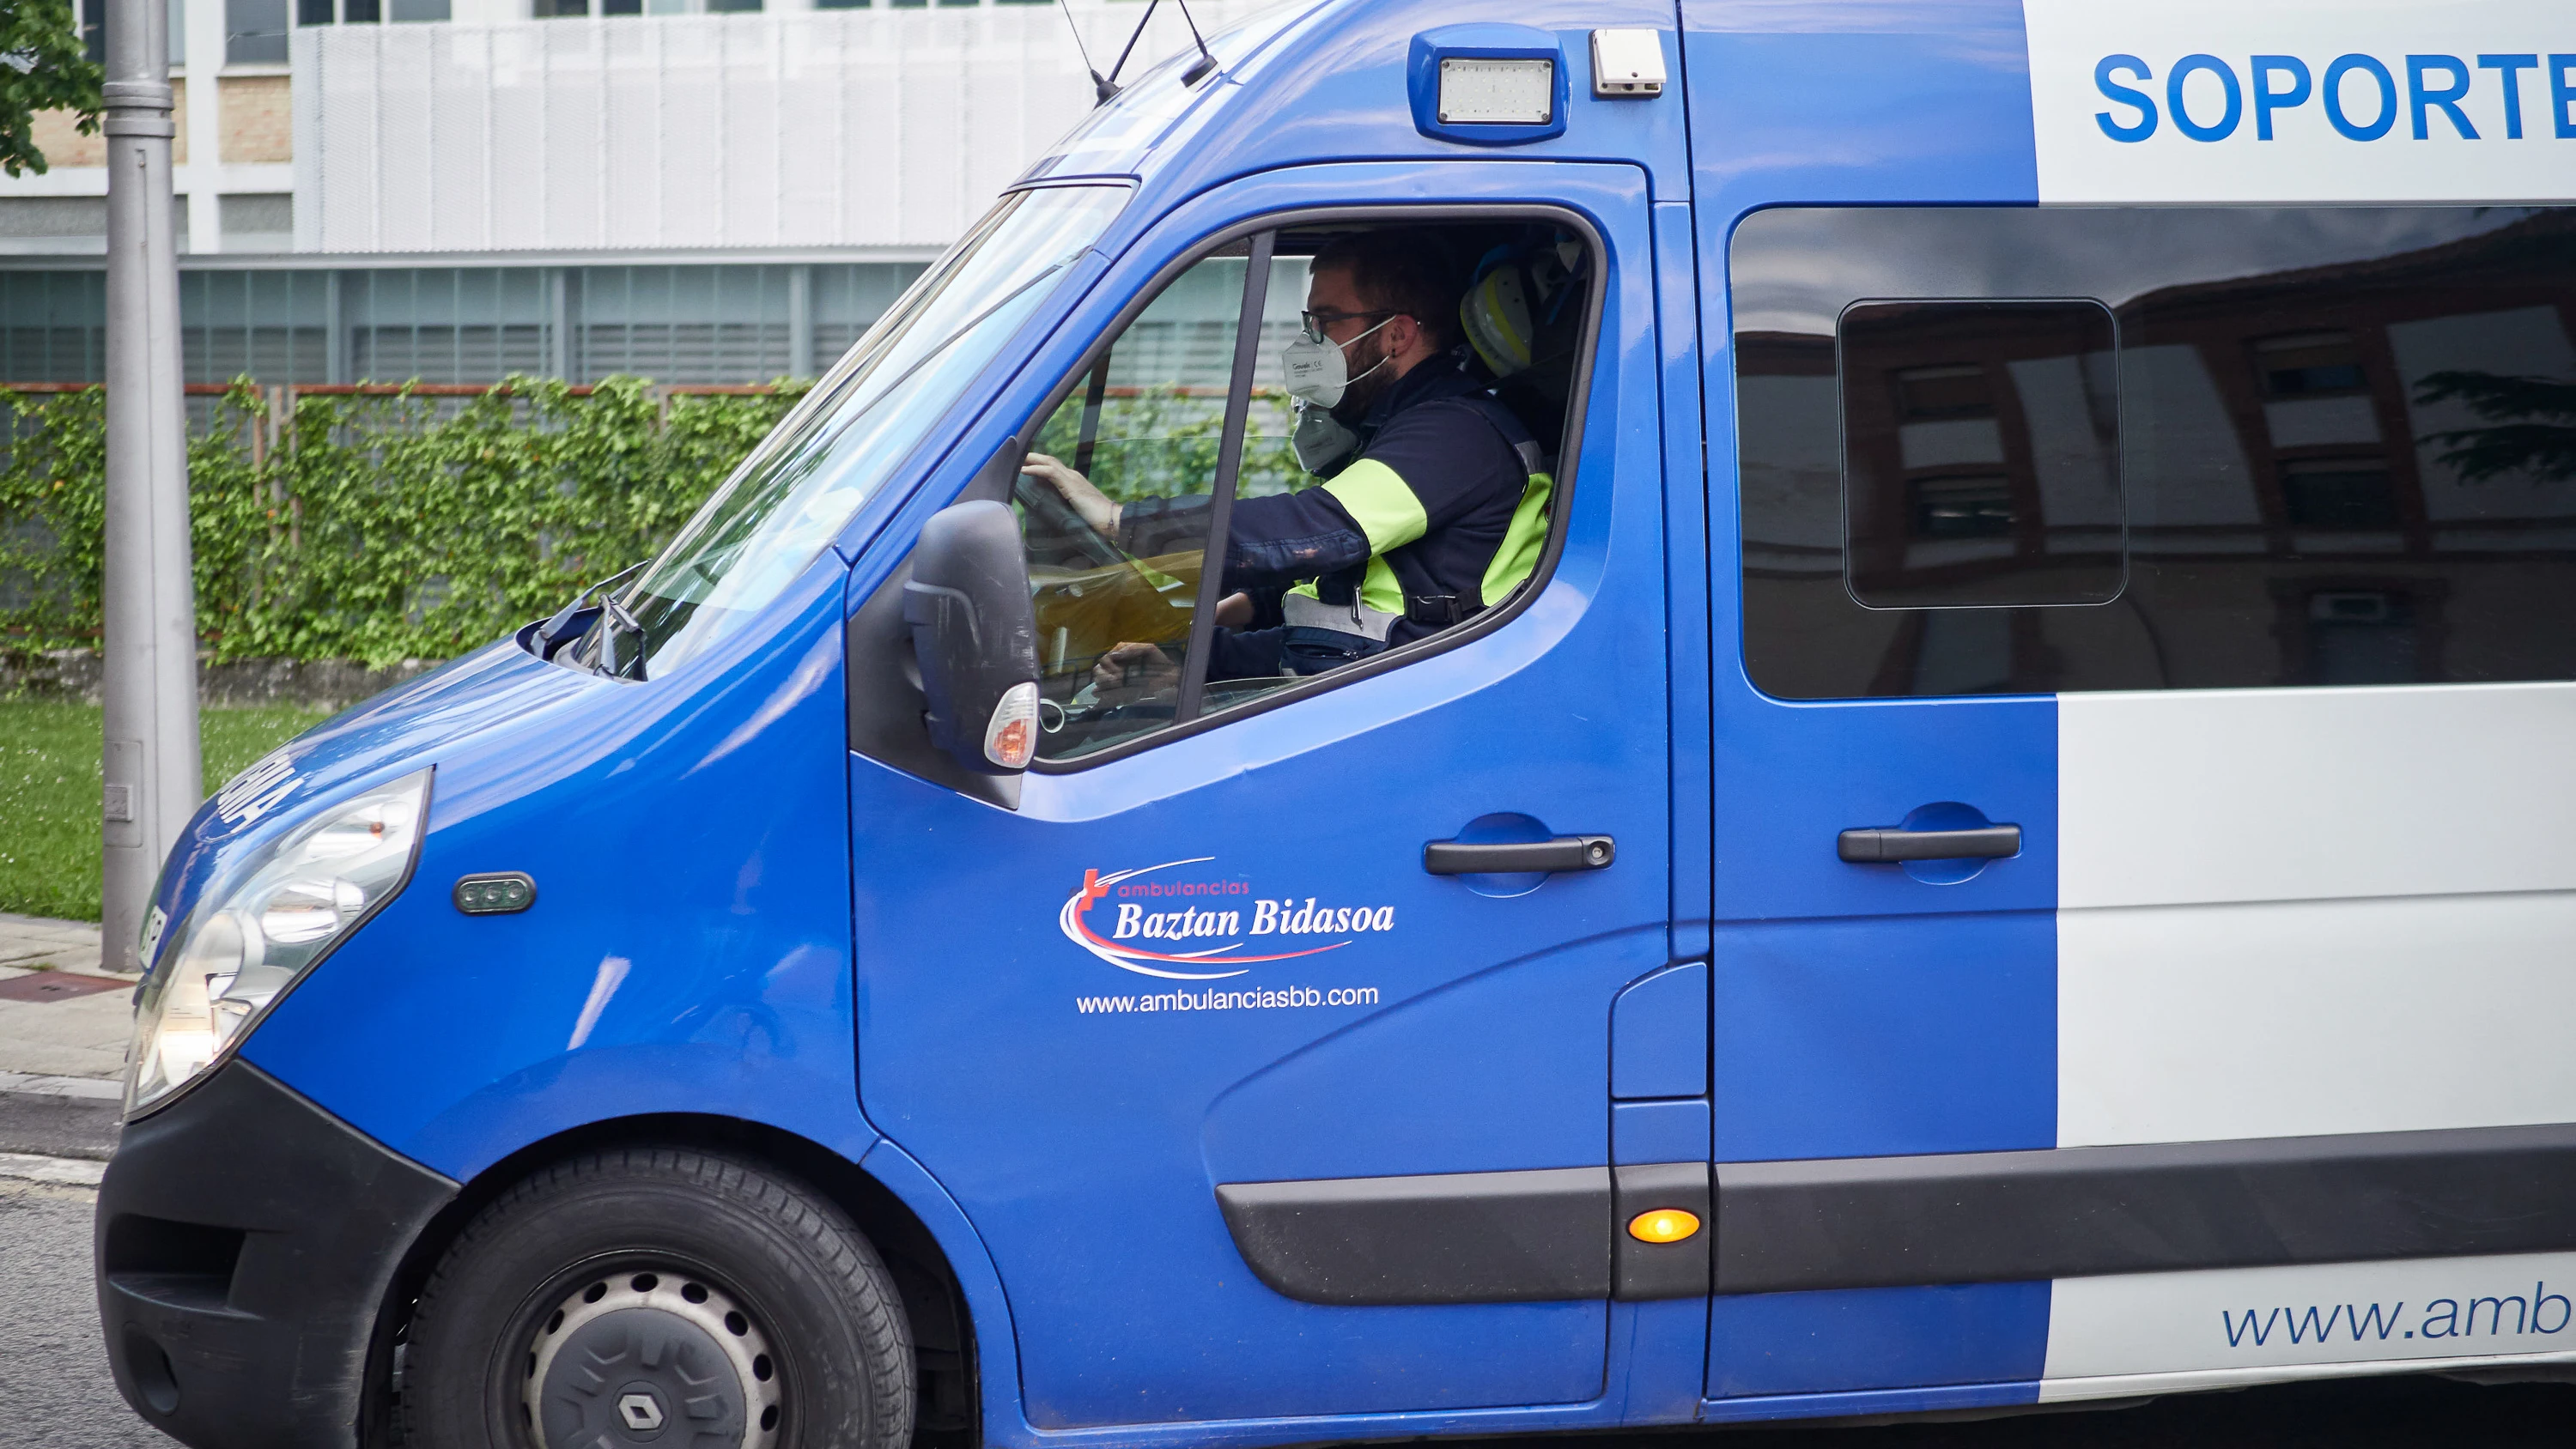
point(2025, 450)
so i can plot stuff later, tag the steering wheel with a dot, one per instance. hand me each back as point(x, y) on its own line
point(1057, 516)
point(1087, 710)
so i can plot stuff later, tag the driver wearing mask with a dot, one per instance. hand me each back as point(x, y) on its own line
point(1432, 507)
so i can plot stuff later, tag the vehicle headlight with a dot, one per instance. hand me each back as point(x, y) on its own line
point(287, 904)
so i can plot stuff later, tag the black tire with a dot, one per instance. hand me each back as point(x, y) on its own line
point(760, 1254)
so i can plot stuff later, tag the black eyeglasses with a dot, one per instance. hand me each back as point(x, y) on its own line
point(1315, 322)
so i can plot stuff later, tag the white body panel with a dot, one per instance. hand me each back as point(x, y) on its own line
point(2290, 912)
point(2158, 1332)
point(2307, 159)
point(2295, 912)
point(2201, 1023)
point(2193, 797)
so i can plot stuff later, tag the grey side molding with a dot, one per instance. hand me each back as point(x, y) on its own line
point(1987, 1217)
point(1458, 1237)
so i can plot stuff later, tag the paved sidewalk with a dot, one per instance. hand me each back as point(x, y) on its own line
point(77, 1026)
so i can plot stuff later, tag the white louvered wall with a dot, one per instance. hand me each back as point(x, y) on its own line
point(816, 129)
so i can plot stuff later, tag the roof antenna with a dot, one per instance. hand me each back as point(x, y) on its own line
point(1109, 87)
point(1101, 88)
point(1200, 67)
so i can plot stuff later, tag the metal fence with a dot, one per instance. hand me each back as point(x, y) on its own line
point(687, 324)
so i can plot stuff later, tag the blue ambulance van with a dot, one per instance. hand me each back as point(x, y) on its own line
point(1995, 832)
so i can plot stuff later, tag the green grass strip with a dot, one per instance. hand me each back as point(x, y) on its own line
point(50, 785)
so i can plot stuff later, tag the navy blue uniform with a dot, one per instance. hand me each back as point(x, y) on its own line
point(1438, 515)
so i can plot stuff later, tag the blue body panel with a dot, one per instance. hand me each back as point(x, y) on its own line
point(361, 746)
point(1864, 1037)
point(1334, 87)
point(1687, 519)
point(689, 951)
point(1878, 1338)
point(1667, 1131)
point(739, 918)
point(1860, 1011)
point(1659, 1035)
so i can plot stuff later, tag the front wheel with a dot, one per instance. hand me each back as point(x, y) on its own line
point(669, 1297)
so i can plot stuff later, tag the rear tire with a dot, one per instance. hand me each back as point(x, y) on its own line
point(609, 1295)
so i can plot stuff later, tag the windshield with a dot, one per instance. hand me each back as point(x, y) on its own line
point(843, 441)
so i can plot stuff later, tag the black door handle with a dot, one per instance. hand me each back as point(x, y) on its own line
point(1892, 843)
point(1565, 852)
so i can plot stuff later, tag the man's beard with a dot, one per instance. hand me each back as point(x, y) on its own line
point(1370, 378)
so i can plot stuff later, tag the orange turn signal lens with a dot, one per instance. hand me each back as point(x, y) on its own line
point(1663, 1225)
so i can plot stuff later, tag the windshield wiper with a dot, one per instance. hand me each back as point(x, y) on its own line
point(558, 630)
point(615, 620)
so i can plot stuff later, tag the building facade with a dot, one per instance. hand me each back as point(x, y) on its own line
point(697, 191)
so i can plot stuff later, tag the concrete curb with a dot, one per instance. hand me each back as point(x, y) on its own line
point(71, 1171)
point(91, 1089)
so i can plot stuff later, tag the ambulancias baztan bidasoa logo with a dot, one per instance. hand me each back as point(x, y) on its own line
point(1201, 929)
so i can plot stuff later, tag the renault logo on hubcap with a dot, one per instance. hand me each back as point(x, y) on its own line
point(642, 1412)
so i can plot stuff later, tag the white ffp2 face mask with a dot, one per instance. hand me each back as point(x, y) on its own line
point(1318, 368)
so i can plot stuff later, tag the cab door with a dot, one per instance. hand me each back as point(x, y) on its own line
point(1202, 970)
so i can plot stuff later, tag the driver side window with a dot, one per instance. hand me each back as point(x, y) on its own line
point(1141, 432)
point(1311, 447)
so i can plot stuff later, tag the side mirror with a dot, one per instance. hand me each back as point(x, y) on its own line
point(975, 637)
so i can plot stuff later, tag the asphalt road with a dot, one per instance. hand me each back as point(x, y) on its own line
point(55, 1392)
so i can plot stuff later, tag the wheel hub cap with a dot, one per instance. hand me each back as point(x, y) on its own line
point(649, 1357)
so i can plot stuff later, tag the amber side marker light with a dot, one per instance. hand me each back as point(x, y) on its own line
point(1663, 1225)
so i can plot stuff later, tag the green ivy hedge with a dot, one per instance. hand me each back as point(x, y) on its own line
point(372, 527)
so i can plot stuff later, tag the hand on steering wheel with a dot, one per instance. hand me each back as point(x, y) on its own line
point(1136, 669)
point(1095, 508)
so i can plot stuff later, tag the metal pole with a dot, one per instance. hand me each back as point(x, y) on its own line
point(150, 686)
point(800, 324)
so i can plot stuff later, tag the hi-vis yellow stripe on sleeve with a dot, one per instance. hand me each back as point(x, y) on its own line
point(1378, 501)
point(1522, 542)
